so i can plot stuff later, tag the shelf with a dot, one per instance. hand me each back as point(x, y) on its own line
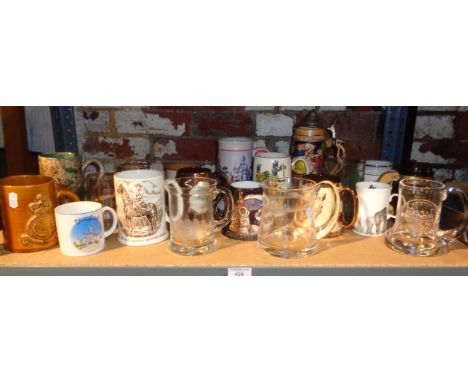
point(348, 254)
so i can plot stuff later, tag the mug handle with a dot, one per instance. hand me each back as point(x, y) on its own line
point(95, 162)
point(451, 234)
point(325, 228)
point(180, 201)
point(355, 207)
point(391, 198)
point(218, 224)
point(111, 230)
point(62, 194)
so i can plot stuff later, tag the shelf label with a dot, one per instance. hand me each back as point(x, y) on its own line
point(239, 271)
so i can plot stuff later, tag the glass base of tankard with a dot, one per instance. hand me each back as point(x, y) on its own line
point(192, 251)
point(423, 245)
point(287, 253)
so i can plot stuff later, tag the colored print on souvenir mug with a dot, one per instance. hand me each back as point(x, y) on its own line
point(277, 171)
point(239, 171)
point(86, 233)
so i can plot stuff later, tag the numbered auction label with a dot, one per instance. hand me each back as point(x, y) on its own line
point(13, 199)
point(239, 271)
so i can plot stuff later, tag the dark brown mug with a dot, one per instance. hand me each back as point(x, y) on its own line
point(245, 219)
point(28, 203)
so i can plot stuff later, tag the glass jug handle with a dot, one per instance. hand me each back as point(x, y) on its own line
point(451, 234)
point(169, 185)
point(218, 224)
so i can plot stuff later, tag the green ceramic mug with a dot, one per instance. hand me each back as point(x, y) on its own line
point(67, 169)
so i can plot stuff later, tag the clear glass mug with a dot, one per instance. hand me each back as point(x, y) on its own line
point(416, 230)
point(191, 214)
point(287, 227)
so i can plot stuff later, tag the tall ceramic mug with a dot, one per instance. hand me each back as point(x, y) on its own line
point(140, 205)
point(271, 165)
point(28, 203)
point(80, 227)
point(374, 207)
point(246, 216)
point(416, 230)
point(235, 158)
point(191, 214)
point(67, 170)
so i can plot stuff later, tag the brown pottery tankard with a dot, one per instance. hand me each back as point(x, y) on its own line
point(28, 203)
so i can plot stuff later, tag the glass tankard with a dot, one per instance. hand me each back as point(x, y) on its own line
point(290, 209)
point(416, 230)
point(192, 224)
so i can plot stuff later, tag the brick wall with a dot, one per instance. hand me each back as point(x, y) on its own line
point(441, 138)
point(118, 134)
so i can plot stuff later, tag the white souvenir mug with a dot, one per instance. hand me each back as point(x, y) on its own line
point(235, 158)
point(80, 227)
point(269, 165)
point(140, 205)
point(374, 206)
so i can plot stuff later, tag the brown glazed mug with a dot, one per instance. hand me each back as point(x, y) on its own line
point(170, 169)
point(348, 205)
point(28, 203)
point(245, 219)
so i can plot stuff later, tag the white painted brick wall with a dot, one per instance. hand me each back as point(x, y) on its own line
point(443, 174)
point(461, 174)
point(259, 108)
point(428, 157)
point(437, 108)
point(282, 146)
point(140, 147)
point(160, 149)
point(99, 124)
point(436, 126)
point(259, 143)
point(278, 125)
point(136, 121)
point(322, 108)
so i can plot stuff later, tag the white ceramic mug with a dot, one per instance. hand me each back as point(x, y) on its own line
point(80, 227)
point(374, 168)
point(374, 199)
point(140, 208)
point(271, 165)
point(235, 158)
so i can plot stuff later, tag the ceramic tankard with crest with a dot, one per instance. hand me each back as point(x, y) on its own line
point(28, 203)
